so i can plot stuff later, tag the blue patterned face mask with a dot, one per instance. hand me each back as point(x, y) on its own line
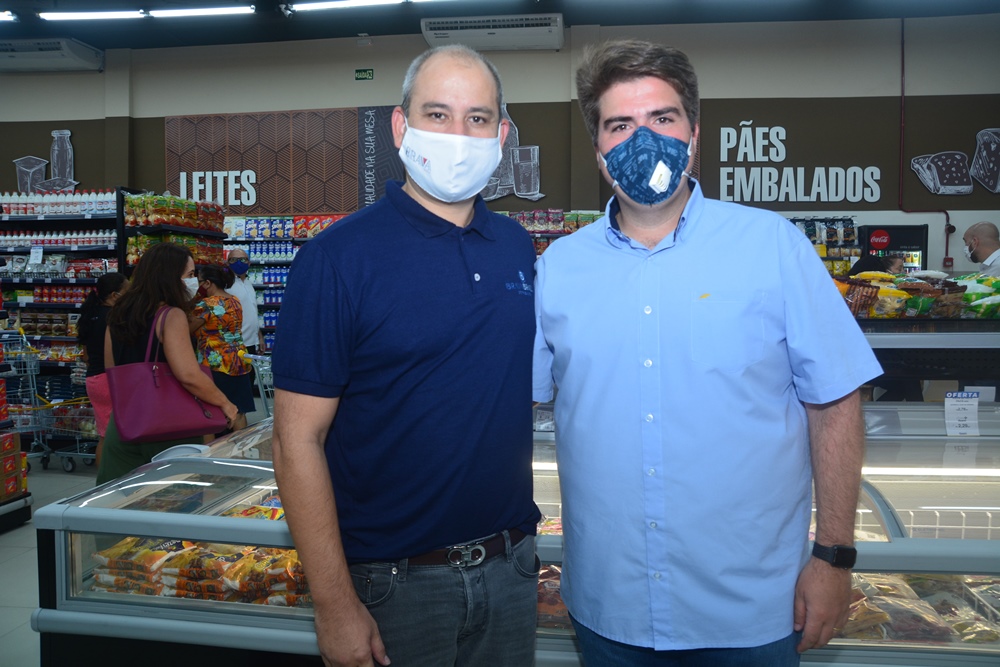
point(648, 166)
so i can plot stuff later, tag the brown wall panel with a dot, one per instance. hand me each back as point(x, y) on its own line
point(35, 138)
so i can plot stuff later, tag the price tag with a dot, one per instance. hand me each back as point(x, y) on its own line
point(961, 413)
point(86, 216)
point(72, 281)
point(48, 281)
point(35, 257)
point(6, 217)
point(10, 250)
point(74, 247)
point(41, 217)
point(960, 456)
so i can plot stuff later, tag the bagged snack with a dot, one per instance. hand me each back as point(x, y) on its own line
point(982, 309)
point(142, 554)
point(200, 563)
point(289, 599)
point(552, 612)
point(883, 585)
point(913, 620)
point(929, 584)
point(890, 303)
point(972, 627)
point(214, 586)
point(876, 276)
point(864, 615)
point(257, 512)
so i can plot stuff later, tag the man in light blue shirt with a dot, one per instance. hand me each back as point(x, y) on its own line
point(695, 406)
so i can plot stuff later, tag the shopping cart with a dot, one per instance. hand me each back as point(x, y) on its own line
point(72, 422)
point(20, 372)
point(265, 380)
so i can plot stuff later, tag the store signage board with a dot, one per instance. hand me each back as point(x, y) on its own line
point(961, 413)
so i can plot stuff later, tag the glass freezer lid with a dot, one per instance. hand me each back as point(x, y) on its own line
point(185, 485)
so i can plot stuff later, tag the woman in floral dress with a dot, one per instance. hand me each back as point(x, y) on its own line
point(216, 322)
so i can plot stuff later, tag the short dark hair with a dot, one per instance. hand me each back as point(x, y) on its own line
point(220, 276)
point(459, 50)
point(617, 61)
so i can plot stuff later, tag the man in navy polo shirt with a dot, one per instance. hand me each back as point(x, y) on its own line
point(402, 431)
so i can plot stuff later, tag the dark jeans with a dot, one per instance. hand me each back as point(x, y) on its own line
point(433, 615)
point(599, 651)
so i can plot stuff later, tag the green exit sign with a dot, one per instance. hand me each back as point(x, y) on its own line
point(364, 74)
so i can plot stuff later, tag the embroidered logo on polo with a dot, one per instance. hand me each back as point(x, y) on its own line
point(522, 287)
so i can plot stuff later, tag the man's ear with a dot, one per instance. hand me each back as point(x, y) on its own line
point(398, 126)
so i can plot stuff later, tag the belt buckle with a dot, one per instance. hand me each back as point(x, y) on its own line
point(463, 555)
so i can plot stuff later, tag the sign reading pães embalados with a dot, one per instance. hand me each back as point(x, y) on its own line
point(759, 174)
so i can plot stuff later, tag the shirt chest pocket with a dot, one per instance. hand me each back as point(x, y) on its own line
point(727, 330)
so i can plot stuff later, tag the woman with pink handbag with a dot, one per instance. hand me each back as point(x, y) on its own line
point(150, 358)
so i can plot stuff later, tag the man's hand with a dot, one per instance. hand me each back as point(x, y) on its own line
point(822, 603)
point(349, 637)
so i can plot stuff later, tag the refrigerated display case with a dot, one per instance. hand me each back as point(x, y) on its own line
point(930, 507)
point(908, 242)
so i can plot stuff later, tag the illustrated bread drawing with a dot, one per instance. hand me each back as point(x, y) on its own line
point(986, 161)
point(944, 173)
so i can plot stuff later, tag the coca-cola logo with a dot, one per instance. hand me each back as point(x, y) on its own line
point(879, 239)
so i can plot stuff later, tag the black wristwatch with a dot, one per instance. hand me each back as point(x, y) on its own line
point(837, 555)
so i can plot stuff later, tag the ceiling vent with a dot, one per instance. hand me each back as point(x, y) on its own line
point(49, 55)
point(497, 33)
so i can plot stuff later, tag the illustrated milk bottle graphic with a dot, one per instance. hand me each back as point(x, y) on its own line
point(61, 155)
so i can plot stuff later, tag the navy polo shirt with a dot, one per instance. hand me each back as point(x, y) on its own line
point(425, 331)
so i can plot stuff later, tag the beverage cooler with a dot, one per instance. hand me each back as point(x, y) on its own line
point(187, 560)
point(906, 241)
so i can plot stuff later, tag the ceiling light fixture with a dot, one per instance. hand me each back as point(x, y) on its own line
point(8, 16)
point(206, 11)
point(341, 4)
point(89, 16)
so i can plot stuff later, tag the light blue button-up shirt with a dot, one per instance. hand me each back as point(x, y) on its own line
point(682, 438)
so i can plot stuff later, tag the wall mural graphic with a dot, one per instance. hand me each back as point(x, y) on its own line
point(518, 172)
point(31, 169)
point(949, 173)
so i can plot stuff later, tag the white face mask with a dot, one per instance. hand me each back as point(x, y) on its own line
point(449, 167)
point(190, 286)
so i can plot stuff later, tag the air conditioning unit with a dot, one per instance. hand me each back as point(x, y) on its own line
point(49, 55)
point(497, 33)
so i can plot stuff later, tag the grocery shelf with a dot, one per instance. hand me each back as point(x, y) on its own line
point(164, 229)
point(34, 304)
point(48, 281)
point(64, 217)
point(25, 250)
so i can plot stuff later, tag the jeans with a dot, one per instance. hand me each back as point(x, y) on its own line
point(438, 615)
point(599, 651)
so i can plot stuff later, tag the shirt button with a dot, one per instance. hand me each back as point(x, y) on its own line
point(476, 276)
point(651, 472)
point(652, 524)
point(647, 310)
point(649, 418)
point(647, 363)
point(656, 575)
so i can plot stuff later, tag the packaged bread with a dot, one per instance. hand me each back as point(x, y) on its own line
point(982, 309)
point(201, 563)
point(944, 173)
point(142, 554)
point(971, 626)
point(929, 584)
point(876, 276)
point(552, 612)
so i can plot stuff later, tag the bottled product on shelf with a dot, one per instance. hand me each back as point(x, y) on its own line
point(27, 238)
point(72, 202)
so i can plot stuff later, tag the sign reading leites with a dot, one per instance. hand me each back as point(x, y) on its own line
point(748, 144)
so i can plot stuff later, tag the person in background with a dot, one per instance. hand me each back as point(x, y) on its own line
point(163, 277)
point(242, 289)
point(690, 409)
point(982, 244)
point(90, 334)
point(216, 322)
point(890, 264)
point(402, 418)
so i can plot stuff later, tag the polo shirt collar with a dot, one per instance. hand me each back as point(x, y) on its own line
point(431, 225)
point(690, 214)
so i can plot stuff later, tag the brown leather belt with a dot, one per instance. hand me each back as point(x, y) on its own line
point(473, 553)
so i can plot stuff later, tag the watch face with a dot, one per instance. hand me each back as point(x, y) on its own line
point(844, 557)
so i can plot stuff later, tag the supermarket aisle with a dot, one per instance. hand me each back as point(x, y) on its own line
point(19, 560)
point(19, 563)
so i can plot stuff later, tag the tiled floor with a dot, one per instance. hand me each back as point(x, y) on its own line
point(19, 563)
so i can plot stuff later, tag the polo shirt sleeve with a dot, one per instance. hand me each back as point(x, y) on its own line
point(315, 327)
point(827, 350)
point(542, 357)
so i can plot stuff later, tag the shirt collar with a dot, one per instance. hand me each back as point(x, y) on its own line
point(431, 225)
point(690, 214)
point(992, 259)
